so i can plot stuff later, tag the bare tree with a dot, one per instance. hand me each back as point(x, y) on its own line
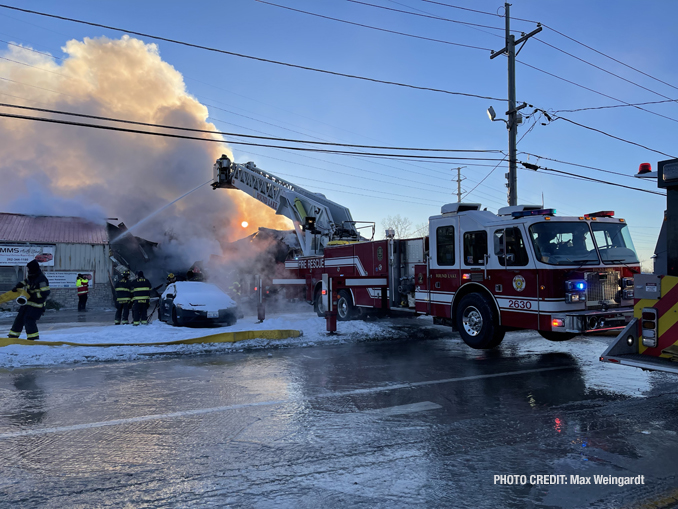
point(401, 225)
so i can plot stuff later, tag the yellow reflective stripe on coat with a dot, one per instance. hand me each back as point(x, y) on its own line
point(34, 304)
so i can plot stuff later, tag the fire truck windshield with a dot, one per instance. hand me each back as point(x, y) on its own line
point(564, 243)
point(614, 242)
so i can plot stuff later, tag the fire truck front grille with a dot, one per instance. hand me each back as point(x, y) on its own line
point(602, 289)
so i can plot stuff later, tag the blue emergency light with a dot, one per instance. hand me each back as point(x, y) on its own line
point(539, 212)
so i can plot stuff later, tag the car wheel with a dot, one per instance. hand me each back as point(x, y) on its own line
point(175, 316)
point(477, 322)
point(345, 308)
point(318, 304)
point(556, 336)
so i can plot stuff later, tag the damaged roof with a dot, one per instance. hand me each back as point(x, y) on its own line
point(51, 229)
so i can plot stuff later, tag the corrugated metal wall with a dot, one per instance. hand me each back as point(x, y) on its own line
point(83, 257)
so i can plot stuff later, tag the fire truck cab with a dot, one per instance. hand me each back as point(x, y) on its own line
point(526, 268)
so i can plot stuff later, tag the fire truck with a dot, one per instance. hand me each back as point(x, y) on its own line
point(479, 272)
point(650, 341)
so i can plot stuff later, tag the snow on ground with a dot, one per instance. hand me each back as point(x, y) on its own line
point(313, 329)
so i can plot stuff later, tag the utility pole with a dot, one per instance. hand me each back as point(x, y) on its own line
point(459, 179)
point(514, 118)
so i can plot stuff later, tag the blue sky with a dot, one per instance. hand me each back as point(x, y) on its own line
point(261, 98)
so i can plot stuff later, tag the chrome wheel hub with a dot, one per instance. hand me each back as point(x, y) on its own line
point(472, 321)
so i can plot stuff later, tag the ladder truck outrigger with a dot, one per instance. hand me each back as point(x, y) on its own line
point(479, 272)
point(650, 341)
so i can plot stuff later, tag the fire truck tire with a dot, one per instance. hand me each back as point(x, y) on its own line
point(477, 323)
point(556, 336)
point(345, 308)
point(318, 304)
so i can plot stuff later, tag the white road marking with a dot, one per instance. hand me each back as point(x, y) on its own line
point(416, 407)
point(404, 409)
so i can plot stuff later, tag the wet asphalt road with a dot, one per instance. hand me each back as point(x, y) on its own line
point(416, 422)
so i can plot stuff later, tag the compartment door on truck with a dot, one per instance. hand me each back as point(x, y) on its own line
point(444, 269)
point(514, 280)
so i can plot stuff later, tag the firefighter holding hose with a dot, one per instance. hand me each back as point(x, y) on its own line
point(37, 287)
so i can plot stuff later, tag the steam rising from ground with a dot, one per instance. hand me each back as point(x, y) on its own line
point(63, 170)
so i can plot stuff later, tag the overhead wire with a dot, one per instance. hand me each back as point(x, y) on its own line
point(549, 27)
point(595, 91)
point(373, 27)
point(536, 167)
point(430, 16)
point(222, 133)
point(613, 136)
point(177, 136)
point(251, 57)
point(477, 11)
point(615, 106)
point(604, 70)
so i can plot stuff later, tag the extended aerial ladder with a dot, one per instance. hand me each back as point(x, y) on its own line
point(318, 222)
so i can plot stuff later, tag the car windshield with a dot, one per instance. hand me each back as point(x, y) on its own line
point(614, 243)
point(564, 243)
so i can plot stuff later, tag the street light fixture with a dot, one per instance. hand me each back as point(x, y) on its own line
point(493, 116)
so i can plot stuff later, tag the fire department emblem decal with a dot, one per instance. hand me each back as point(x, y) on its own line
point(380, 253)
point(519, 283)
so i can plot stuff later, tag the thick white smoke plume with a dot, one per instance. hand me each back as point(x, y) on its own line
point(64, 170)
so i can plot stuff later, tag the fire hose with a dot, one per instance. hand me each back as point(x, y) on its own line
point(20, 296)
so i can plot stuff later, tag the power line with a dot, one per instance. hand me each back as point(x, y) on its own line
point(222, 133)
point(374, 28)
point(594, 91)
point(485, 177)
point(580, 165)
point(614, 137)
point(604, 70)
point(535, 167)
point(573, 40)
point(423, 15)
point(616, 106)
point(31, 49)
point(477, 11)
point(177, 136)
point(608, 56)
point(259, 59)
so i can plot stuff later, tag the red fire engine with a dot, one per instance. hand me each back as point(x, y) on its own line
point(485, 273)
point(480, 272)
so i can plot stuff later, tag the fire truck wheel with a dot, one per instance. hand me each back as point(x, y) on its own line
point(556, 336)
point(477, 323)
point(318, 304)
point(345, 308)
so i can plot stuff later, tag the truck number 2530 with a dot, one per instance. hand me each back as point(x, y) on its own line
point(520, 304)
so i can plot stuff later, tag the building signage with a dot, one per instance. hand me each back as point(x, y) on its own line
point(63, 279)
point(20, 254)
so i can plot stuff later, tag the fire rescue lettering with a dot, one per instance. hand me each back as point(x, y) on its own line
point(268, 201)
point(313, 263)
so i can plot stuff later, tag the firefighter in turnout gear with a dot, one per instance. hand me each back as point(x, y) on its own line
point(37, 286)
point(171, 278)
point(141, 298)
point(123, 298)
point(82, 284)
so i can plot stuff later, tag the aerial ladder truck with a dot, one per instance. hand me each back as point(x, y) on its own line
point(650, 341)
point(318, 222)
